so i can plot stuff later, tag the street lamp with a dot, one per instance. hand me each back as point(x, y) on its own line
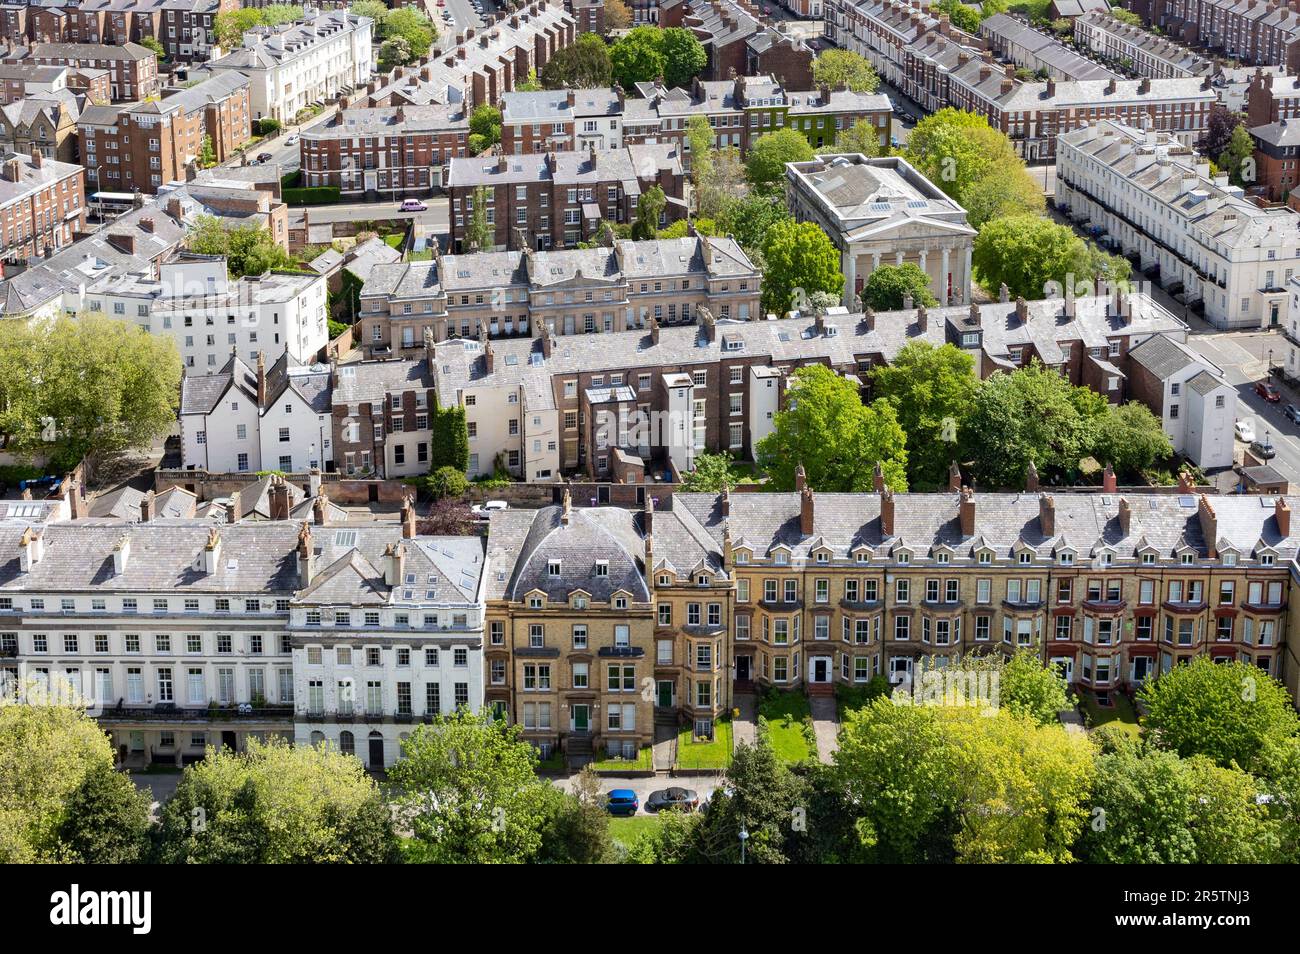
point(1270, 362)
point(744, 837)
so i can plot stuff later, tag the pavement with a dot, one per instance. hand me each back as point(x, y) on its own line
point(665, 746)
point(704, 786)
point(744, 727)
point(826, 726)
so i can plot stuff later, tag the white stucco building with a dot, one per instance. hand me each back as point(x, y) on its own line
point(1193, 399)
point(1154, 196)
point(292, 66)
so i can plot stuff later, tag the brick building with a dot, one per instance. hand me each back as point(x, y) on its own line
point(142, 146)
point(1252, 31)
point(45, 122)
point(557, 199)
point(133, 70)
point(42, 205)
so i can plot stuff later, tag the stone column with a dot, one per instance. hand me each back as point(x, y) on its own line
point(943, 279)
point(966, 277)
point(850, 278)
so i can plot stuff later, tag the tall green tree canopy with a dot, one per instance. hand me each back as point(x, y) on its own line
point(840, 68)
point(585, 64)
point(1029, 254)
point(769, 154)
point(648, 53)
point(1131, 438)
point(648, 209)
point(798, 260)
point(248, 249)
point(838, 439)
point(105, 385)
point(712, 473)
point(954, 148)
point(277, 804)
point(931, 390)
point(888, 286)
point(861, 137)
point(1229, 712)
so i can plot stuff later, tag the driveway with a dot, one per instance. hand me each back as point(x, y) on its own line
point(744, 728)
point(665, 747)
point(826, 726)
point(160, 785)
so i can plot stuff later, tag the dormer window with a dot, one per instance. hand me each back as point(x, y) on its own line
point(580, 602)
point(1188, 559)
point(534, 602)
point(1148, 559)
point(941, 559)
point(1104, 559)
point(742, 556)
point(903, 557)
point(1065, 558)
point(1026, 557)
point(780, 558)
point(1266, 559)
point(823, 557)
point(863, 556)
point(702, 580)
point(602, 568)
point(553, 567)
point(1229, 559)
point(620, 602)
point(665, 579)
point(984, 558)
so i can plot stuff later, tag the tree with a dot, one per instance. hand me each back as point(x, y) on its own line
point(840, 68)
point(1028, 254)
point(1219, 130)
point(954, 148)
point(617, 15)
point(152, 44)
point(700, 141)
point(229, 27)
point(479, 236)
point(963, 17)
point(838, 440)
point(376, 10)
point(684, 55)
point(1131, 439)
point(648, 210)
point(467, 792)
point(723, 186)
point(395, 51)
point(577, 831)
point(446, 482)
point(247, 249)
point(447, 517)
point(760, 796)
point(46, 754)
point(413, 26)
point(860, 137)
point(105, 820)
point(1238, 158)
point(1032, 689)
point(711, 474)
point(86, 385)
point(277, 803)
point(769, 154)
point(1032, 414)
point(749, 219)
point(888, 286)
point(1229, 712)
point(1008, 191)
point(584, 64)
point(530, 84)
point(207, 154)
point(486, 122)
point(1126, 16)
point(449, 441)
point(931, 390)
point(637, 57)
point(799, 259)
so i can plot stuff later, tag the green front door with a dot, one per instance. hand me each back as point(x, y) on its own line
point(665, 693)
point(580, 718)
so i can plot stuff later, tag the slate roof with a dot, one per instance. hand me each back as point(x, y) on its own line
point(371, 381)
point(123, 503)
point(1163, 356)
point(200, 393)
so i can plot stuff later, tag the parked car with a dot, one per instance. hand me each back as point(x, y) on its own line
point(1245, 431)
point(413, 205)
point(1263, 448)
point(264, 157)
point(1268, 392)
point(291, 139)
point(1291, 413)
point(672, 798)
point(622, 801)
point(486, 508)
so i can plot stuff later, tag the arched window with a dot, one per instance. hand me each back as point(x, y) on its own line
point(347, 744)
point(317, 738)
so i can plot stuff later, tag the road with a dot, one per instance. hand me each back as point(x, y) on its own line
point(435, 220)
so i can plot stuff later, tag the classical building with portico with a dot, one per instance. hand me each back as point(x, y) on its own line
point(881, 211)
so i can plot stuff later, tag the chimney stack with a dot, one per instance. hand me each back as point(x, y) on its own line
point(408, 518)
point(394, 563)
point(212, 551)
point(966, 512)
point(1282, 514)
point(800, 479)
point(1209, 525)
point(261, 380)
point(726, 501)
point(1184, 482)
point(1031, 478)
point(1108, 483)
point(279, 497)
point(121, 553)
point(566, 511)
point(232, 509)
point(954, 476)
point(320, 507)
point(146, 508)
point(886, 513)
point(878, 477)
point(31, 548)
point(1047, 515)
point(806, 512)
point(1125, 516)
point(306, 556)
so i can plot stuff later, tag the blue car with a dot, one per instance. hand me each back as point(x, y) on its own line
point(622, 801)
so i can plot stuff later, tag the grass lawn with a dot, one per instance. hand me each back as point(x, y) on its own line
point(626, 829)
point(785, 712)
point(715, 754)
point(394, 240)
point(553, 765)
point(1120, 713)
point(644, 762)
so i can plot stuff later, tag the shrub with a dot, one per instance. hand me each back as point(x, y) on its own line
point(447, 482)
point(313, 195)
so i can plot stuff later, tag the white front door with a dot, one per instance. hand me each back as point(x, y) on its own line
point(1065, 666)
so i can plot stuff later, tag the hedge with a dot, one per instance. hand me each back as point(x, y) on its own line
point(312, 195)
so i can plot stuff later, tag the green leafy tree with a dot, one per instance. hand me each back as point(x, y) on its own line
point(479, 235)
point(684, 55)
point(769, 154)
point(395, 51)
point(1229, 712)
point(861, 137)
point(888, 286)
point(585, 64)
point(577, 830)
point(700, 141)
point(277, 803)
point(1032, 414)
point(1238, 158)
point(760, 796)
point(838, 440)
point(1126, 16)
point(954, 148)
point(151, 43)
point(47, 752)
point(207, 154)
point(963, 16)
point(840, 68)
point(648, 209)
point(446, 482)
point(413, 26)
point(617, 15)
point(376, 10)
point(798, 259)
point(485, 121)
point(724, 186)
point(230, 26)
point(931, 390)
point(1131, 439)
point(105, 820)
point(248, 249)
point(1029, 254)
point(468, 793)
point(712, 474)
point(1030, 688)
point(638, 57)
point(531, 84)
point(749, 219)
point(86, 385)
point(1008, 191)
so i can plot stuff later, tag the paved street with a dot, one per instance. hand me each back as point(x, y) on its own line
point(704, 786)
